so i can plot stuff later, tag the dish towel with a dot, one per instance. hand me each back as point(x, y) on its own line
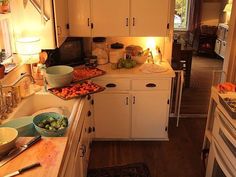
point(152, 68)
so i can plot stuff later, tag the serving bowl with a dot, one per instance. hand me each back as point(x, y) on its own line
point(51, 119)
point(8, 137)
point(59, 76)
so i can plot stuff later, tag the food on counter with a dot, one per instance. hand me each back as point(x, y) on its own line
point(76, 90)
point(226, 87)
point(126, 63)
point(133, 50)
point(52, 123)
point(3, 142)
point(86, 73)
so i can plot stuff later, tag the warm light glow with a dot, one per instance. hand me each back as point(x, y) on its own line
point(28, 48)
point(151, 44)
point(228, 8)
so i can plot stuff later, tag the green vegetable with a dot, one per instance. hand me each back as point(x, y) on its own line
point(54, 124)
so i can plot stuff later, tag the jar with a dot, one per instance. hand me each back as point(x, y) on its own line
point(116, 52)
point(100, 49)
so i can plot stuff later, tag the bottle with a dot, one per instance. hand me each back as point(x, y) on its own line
point(3, 54)
point(159, 55)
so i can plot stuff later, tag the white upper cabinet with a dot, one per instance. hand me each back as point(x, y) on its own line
point(119, 17)
point(61, 21)
point(149, 17)
point(110, 17)
point(79, 17)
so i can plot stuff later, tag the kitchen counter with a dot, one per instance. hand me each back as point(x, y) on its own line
point(123, 72)
point(48, 151)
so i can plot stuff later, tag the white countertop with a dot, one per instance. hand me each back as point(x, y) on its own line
point(133, 72)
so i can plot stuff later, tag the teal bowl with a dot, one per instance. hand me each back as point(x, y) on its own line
point(45, 132)
point(59, 76)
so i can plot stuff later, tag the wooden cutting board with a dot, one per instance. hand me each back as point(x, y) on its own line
point(48, 151)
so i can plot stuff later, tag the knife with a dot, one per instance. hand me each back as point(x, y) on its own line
point(19, 150)
point(23, 170)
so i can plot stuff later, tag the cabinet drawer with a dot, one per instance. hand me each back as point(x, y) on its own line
point(114, 84)
point(151, 84)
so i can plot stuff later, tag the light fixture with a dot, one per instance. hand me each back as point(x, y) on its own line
point(28, 48)
point(228, 8)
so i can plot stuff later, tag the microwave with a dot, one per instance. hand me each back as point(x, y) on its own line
point(6, 38)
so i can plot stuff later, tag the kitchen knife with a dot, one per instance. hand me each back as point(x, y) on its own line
point(19, 150)
point(23, 170)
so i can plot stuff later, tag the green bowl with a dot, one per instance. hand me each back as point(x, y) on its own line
point(45, 132)
point(59, 76)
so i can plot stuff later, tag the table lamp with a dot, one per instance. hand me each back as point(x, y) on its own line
point(28, 48)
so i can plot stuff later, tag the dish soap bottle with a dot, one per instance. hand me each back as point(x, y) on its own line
point(159, 55)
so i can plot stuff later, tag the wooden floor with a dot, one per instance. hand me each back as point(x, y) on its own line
point(195, 99)
point(178, 157)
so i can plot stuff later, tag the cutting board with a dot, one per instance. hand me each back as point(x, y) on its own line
point(48, 151)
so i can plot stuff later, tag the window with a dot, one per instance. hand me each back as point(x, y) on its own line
point(181, 14)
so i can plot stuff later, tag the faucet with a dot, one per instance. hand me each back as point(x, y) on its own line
point(9, 100)
point(19, 79)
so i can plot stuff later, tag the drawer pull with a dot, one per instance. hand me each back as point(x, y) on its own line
point(89, 97)
point(89, 113)
point(92, 102)
point(93, 129)
point(90, 130)
point(151, 85)
point(111, 85)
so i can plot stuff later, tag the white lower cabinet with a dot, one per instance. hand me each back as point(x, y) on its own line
point(149, 114)
point(112, 115)
point(140, 112)
point(79, 141)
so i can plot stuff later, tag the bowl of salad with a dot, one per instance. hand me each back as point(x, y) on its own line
point(50, 124)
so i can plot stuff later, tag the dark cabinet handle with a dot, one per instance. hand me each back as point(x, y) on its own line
point(127, 100)
point(89, 113)
point(82, 150)
point(133, 99)
point(111, 85)
point(93, 129)
point(151, 85)
point(127, 22)
point(92, 102)
point(89, 97)
point(88, 22)
point(133, 21)
point(90, 130)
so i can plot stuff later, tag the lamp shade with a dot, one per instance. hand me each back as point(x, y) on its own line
point(228, 8)
point(29, 49)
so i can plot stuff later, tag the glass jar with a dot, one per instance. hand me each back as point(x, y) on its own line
point(100, 49)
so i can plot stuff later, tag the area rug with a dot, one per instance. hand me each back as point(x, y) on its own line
point(130, 170)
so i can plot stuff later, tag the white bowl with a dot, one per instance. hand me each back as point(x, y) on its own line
point(59, 76)
point(139, 59)
point(8, 138)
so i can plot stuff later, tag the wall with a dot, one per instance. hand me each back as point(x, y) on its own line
point(210, 13)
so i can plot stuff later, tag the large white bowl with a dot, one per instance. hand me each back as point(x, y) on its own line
point(59, 76)
point(8, 138)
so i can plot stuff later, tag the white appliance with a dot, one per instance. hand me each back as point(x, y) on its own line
point(222, 155)
point(40, 18)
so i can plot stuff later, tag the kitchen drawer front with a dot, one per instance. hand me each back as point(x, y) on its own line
point(114, 84)
point(151, 84)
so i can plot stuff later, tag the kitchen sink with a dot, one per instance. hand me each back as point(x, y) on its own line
point(40, 101)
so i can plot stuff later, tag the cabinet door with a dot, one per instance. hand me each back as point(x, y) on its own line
point(112, 118)
point(61, 21)
point(110, 17)
point(79, 17)
point(150, 114)
point(149, 18)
